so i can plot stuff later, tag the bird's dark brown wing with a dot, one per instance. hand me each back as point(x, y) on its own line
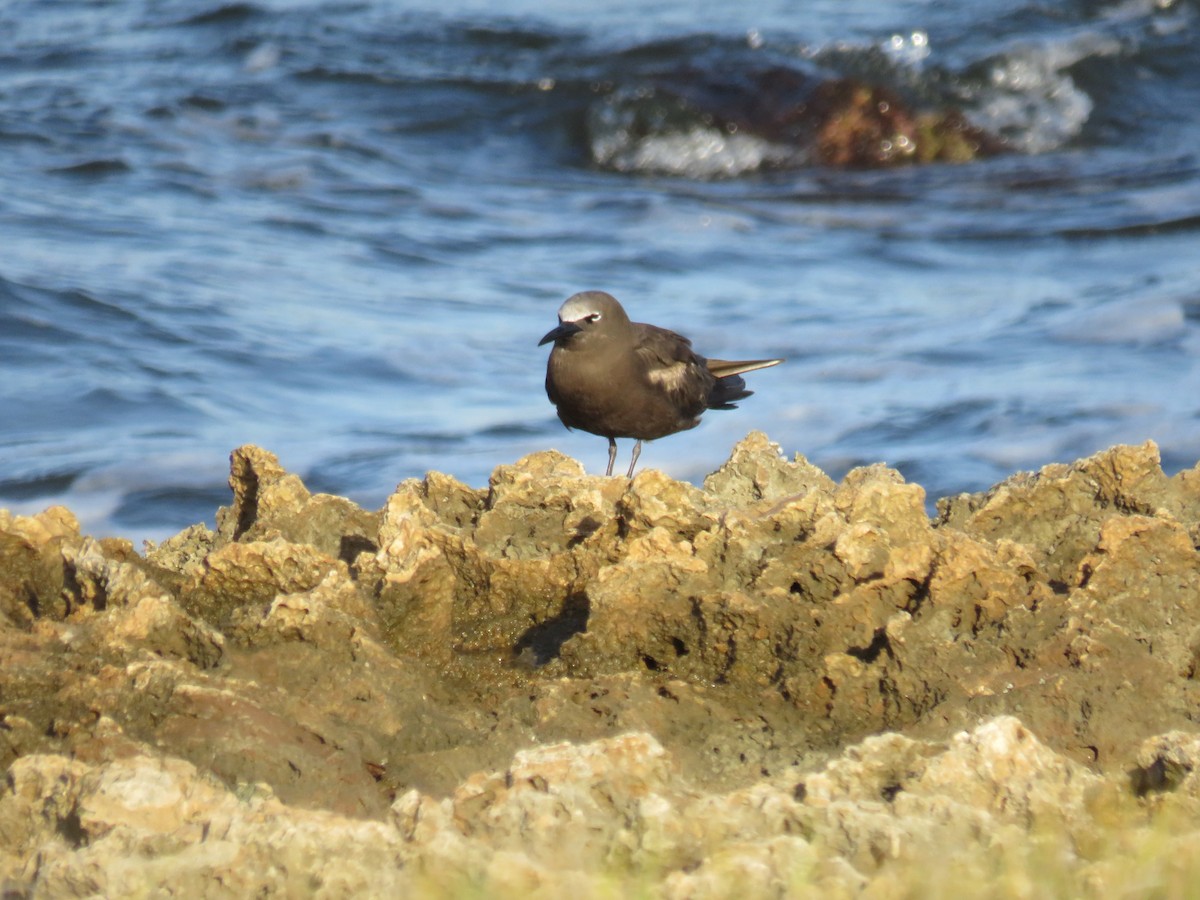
point(670, 364)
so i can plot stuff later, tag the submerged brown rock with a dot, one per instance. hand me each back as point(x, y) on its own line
point(807, 118)
point(571, 683)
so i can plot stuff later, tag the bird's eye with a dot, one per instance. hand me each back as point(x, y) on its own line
point(594, 317)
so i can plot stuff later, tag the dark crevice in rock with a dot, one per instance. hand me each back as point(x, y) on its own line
point(70, 828)
point(31, 601)
point(79, 592)
point(248, 508)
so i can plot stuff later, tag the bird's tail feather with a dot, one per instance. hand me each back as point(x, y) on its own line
point(723, 368)
point(726, 390)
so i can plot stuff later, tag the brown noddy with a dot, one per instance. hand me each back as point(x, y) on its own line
point(616, 378)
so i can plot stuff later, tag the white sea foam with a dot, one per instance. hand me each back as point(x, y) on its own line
point(1031, 98)
point(637, 131)
point(695, 153)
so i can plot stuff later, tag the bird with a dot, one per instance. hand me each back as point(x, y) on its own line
point(615, 378)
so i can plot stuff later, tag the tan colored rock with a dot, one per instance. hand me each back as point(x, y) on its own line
point(31, 585)
point(334, 615)
point(253, 573)
point(773, 682)
point(155, 622)
point(137, 611)
point(1142, 584)
point(269, 502)
point(1183, 500)
point(880, 497)
point(244, 737)
point(1003, 769)
point(417, 581)
point(488, 583)
point(38, 530)
point(654, 501)
point(1058, 511)
point(542, 504)
point(641, 609)
point(892, 799)
point(613, 814)
point(142, 826)
point(783, 866)
point(756, 471)
point(183, 554)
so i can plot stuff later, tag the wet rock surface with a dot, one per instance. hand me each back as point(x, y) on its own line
point(807, 117)
point(771, 684)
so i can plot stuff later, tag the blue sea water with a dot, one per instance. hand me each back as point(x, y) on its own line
point(337, 229)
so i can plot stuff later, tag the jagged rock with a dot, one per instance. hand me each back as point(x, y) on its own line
point(269, 501)
point(756, 470)
point(1058, 511)
point(334, 615)
point(30, 559)
point(481, 584)
point(542, 505)
point(773, 679)
point(254, 573)
point(145, 825)
point(612, 814)
point(892, 805)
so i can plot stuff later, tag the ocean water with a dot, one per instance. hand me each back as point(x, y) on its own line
point(338, 230)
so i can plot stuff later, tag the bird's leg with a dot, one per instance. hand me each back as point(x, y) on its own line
point(612, 454)
point(637, 451)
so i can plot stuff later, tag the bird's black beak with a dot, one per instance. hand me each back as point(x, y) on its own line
point(564, 330)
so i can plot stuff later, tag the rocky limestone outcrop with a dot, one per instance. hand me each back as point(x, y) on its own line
point(775, 683)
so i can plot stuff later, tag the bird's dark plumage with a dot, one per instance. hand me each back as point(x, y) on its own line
point(616, 378)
